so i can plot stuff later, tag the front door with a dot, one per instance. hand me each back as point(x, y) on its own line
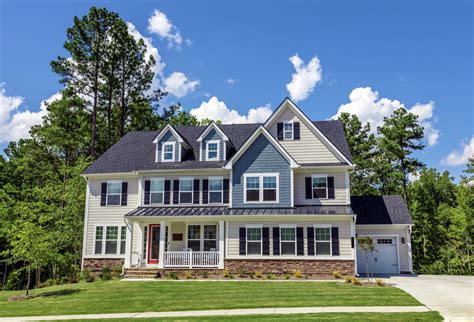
point(153, 244)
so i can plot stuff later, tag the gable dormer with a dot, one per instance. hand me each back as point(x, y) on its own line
point(214, 145)
point(170, 146)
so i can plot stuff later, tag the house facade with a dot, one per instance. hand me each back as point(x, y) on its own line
point(272, 197)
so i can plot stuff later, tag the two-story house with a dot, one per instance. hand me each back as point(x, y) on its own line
point(272, 197)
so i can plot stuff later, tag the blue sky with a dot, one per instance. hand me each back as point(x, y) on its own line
point(216, 57)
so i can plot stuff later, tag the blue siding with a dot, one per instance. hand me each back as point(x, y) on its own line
point(213, 135)
point(169, 137)
point(261, 157)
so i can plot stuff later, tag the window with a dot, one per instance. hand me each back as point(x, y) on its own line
point(145, 241)
point(384, 241)
point(99, 238)
point(261, 188)
point(212, 149)
point(156, 191)
point(322, 236)
point(114, 193)
point(167, 153)
point(320, 187)
point(210, 237)
point(194, 237)
point(111, 236)
point(185, 190)
point(288, 131)
point(123, 237)
point(215, 190)
point(254, 240)
point(288, 240)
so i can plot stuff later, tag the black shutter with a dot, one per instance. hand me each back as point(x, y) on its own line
point(225, 198)
point(299, 241)
point(280, 131)
point(167, 192)
point(266, 241)
point(205, 191)
point(335, 241)
point(310, 241)
point(175, 192)
point(196, 192)
point(352, 242)
point(276, 241)
point(296, 130)
point(242, 240)
point(331, 194)
point(146, 199)
point(124, 193)
point(103, 194)
point(308, 188)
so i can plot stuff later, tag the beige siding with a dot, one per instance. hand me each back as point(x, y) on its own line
point(340, 186)
point(310, 148)
point(404, 249)
point(345, 248)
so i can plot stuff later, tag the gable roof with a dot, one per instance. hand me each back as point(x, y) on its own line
point(334, 132)
point(381, 210)
point(208, 129)
point(169, 128)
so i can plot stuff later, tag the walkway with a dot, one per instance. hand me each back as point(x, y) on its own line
point(301, 310)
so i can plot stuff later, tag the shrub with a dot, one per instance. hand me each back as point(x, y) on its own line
point(188, 275)
point(172, 276)
point(105, 274)
point(117, 271)
point(258, 274)
point(298, 274)
point(227, 274)
point(241, 272)
point(205, 274)
point(348, 279)
point(356, 281)
point(287, 276)
point(270, 276)
point(380, 282)
point(87, 275)
point(336, 274)
point(49, 282)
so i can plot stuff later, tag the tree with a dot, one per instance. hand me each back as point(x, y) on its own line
point(366, 245)
point(401, 136)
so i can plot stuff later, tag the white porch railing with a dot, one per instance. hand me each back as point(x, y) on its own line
point(191, 259)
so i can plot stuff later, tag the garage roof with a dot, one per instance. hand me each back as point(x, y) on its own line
point(381, 210)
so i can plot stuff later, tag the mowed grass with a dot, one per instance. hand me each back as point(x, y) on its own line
point(123, 296)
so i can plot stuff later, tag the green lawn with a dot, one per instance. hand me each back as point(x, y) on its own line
point(120, 297)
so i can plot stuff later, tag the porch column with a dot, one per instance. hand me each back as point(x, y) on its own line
point(128, 244)
point(221, 245)
point(161, 261)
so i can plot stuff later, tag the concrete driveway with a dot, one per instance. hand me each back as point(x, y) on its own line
point(451, 296)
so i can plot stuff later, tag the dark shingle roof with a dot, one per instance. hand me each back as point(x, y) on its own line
point(334, 131)
point(380, 210)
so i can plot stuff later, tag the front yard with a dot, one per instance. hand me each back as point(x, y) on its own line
point(123, 296)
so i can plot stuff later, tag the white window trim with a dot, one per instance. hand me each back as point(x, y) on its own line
point(115, 193)
point(259, 226)
point(260, 187)
point(209, 190)
point(173, 144)
point(163, 200)
point(292, 131)
point(330, 238)
point(293, 226)
point(319, 176)
point(201, 234)
point(192, 190)
point(218, 150)
point(104, 240)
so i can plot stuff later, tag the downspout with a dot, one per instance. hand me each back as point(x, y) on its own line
point(86, 221)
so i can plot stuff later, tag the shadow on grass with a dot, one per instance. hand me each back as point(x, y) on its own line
point(44, 294)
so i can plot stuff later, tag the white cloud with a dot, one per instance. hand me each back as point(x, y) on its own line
point(305, 79)
point(217, 110)
point(179, 85)
point(366, 104)
point(159, 24)
point(460, 157)
point(16, 124)
point(231, 81)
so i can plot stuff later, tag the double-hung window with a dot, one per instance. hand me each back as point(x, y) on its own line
point(186, 190)
point(114, 193)
point(215, 190)
point(167, 153)
point(194, 237)
point(145, 241)
point(110, 240)
point(123, 236)
point(261, 188)
point(320, 186)
point(99, 239)
point(210, 237)
point(111, 237)
point(322, 238)
point(287, 240)
point(156, 191)
point(288, 131)
point(212, 148)
point(254, 240)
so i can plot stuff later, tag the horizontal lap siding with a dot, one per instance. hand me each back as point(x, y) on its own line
point(213, 136)
point(169, 137)
point(309, 149)
point(344, 235)
point(339, 188)
point(111, 215)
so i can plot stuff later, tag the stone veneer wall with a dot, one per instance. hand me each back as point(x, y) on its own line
point(96, 264)
point(284, 266)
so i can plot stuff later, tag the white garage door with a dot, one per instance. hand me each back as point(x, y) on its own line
point(384, 260)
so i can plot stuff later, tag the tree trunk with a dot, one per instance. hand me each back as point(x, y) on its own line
point(38, 277)
point(28, 281)
point(122, 105)
point(94, 107)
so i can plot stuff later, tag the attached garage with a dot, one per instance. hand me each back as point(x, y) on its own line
point(384, 259)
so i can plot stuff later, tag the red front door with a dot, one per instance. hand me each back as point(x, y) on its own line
point(153, 244)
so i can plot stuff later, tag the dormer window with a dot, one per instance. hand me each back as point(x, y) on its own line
point(288, 131)
point(212, 148)
point(167, 153)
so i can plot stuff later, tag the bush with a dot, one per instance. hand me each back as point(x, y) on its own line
point(287, 276)
point(298, 274)
point(117, 271)
point(356, 281)
point(105, 274)
point(336, 274)
point(188, 275)
point(87, 275)
point(13, 281)
point(258, 274)
point(241, 273)
point(348, 279)
point(205, 274)
point(380, 282)
point(227, 274)
point(172, 276)
point(270, 276)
